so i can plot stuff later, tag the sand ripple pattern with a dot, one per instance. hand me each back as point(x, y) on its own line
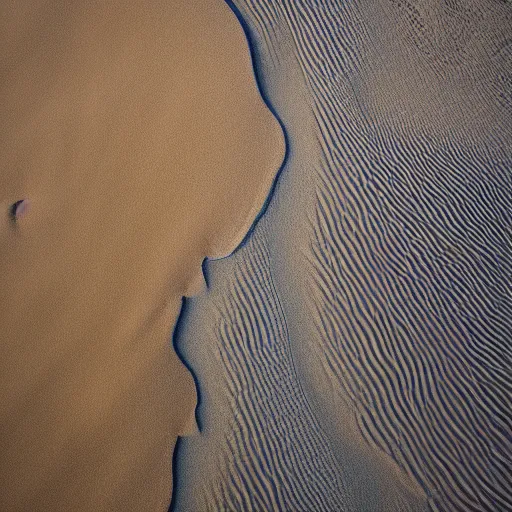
point(415, 318)
point(407, 243)
point(286, 462)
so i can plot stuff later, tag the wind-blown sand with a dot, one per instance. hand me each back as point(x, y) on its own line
point(355, 354)
point(137, 133)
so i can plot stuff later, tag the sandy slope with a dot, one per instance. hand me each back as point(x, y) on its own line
point(137, 133)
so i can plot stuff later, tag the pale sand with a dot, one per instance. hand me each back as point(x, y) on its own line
point(137, 133)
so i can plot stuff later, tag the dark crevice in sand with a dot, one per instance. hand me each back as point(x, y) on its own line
point(175, 336)
point(258, 76)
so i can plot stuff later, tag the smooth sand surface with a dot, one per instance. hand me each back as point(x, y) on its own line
point(137, 133)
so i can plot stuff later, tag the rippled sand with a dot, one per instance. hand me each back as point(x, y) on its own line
point(355, 354)
point(137, 133)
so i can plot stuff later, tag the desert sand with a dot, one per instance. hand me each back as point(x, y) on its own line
point(355, 355)
point(137, 135)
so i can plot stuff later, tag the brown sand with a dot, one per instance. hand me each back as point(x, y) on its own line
point(137, 133)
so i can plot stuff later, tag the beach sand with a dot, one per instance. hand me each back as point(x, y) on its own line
point(137, 134)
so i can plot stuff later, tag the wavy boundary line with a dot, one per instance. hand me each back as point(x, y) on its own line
point(258, 78)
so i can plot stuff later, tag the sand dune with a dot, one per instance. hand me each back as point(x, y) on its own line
point(355, 353)
point(137, 133)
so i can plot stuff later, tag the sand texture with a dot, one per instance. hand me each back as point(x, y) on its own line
point(355, 354)
point(137, 133)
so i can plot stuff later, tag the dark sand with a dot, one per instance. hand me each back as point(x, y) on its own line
point(137, 133)
point(356, 354)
